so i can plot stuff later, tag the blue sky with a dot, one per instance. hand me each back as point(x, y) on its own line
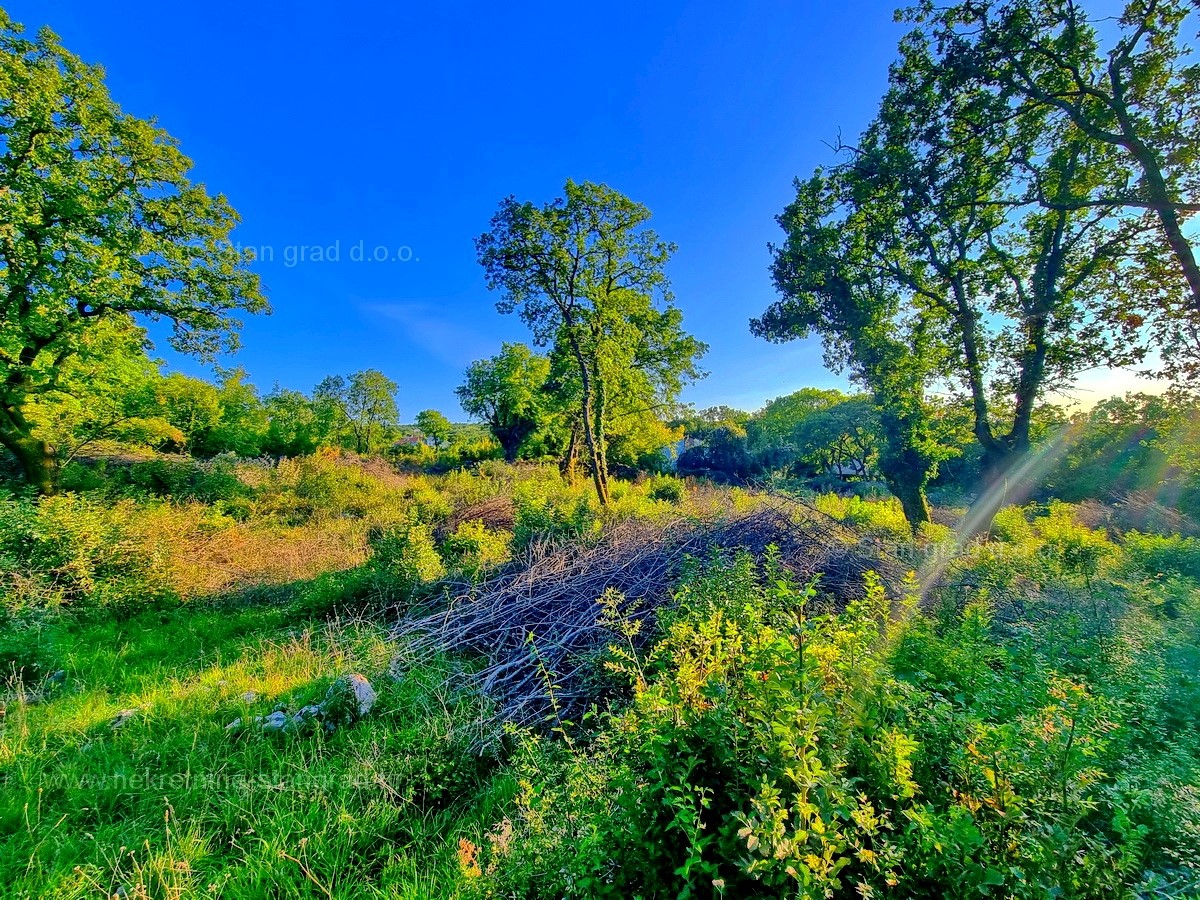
point(399, 127)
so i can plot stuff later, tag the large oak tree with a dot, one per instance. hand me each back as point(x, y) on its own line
point(98, 219)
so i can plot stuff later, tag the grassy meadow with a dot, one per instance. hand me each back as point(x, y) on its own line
point(1016, 717)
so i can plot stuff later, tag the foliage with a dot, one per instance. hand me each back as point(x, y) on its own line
point(550, 509)
point(435, 426)
point(588, 278)
point(473, 548)
point(292, 425)
point(664, 487)
point(842, 439)
point(105, 391)
point(405, 558)
point(773, 749)
point(882, 518)
point(1159, 555)
point(361, 409)
point(75, 551)
point(509, 393)
point(776, 423)
point(723, 455)
point(101, 222)
point(1130, 94)
point(830, 284)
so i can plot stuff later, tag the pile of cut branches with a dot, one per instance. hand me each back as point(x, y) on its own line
point(537, 627)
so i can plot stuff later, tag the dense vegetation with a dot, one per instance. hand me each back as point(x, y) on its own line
point(1020, 716)
point(938, 638)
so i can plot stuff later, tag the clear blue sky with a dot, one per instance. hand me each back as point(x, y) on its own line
point(402, 125)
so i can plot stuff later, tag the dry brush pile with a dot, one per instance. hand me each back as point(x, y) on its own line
point(537, 626)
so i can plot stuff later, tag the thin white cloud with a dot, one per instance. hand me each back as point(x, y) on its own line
point(434, 329)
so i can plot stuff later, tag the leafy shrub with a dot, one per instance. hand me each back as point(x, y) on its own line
point(882, 517)
point(549, 508)
point(473, 548)
point(327, 486)
point(1011, 525)
point(775, 750)
point(1078, 549)
point(73, 550)
point(403, 559)
point(179, 478)
point(1157, 555)
point(667, 489)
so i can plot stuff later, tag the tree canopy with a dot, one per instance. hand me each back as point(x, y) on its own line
point(99, 221)
point(509, 393)
point(588, 277)
point(361, 407)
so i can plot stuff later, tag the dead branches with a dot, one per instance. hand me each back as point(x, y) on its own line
point(536, 629)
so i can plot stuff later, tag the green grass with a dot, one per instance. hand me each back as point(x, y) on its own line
point(1058, 654)
point(172, 805)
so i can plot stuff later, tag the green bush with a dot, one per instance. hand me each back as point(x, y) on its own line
point(550, 509)
point(177, 478)
point(775, 750)
point(1157, 555)
point(473, 548)
point(71, 550)
point(882, 517)
point(667, 489)
point(403, 559)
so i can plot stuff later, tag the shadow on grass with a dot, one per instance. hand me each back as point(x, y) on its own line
point(171, 802)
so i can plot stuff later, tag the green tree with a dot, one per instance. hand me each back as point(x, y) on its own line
point(843, 437)
point(1134, 92)
point(774, 426)
point(1015, 288)
point(292, 428)
point(1008, 292)
point(105, 391)
point(589, 278)
point(242, 426)
point(97, 219)
point(361, 408)
point(435, 426)
point(831, 284)
point(193, 408)
point(508, 393)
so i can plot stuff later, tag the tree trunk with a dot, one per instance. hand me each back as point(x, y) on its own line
point(37, 459)
point(595, 452)
point(38, 463)
point(1001, 483)
point(511, 448)
point(601, 436)
point(913, 501)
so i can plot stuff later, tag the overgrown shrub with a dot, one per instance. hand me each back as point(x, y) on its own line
point(550, 509)
point(1157, 555)
point(77, 551)
point(403, 559)
point(667, 489)
point(472, 548)
point(775, 750)
point(883, 517)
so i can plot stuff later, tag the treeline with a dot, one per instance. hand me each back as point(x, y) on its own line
point(112, 391)
point(1139, 445)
